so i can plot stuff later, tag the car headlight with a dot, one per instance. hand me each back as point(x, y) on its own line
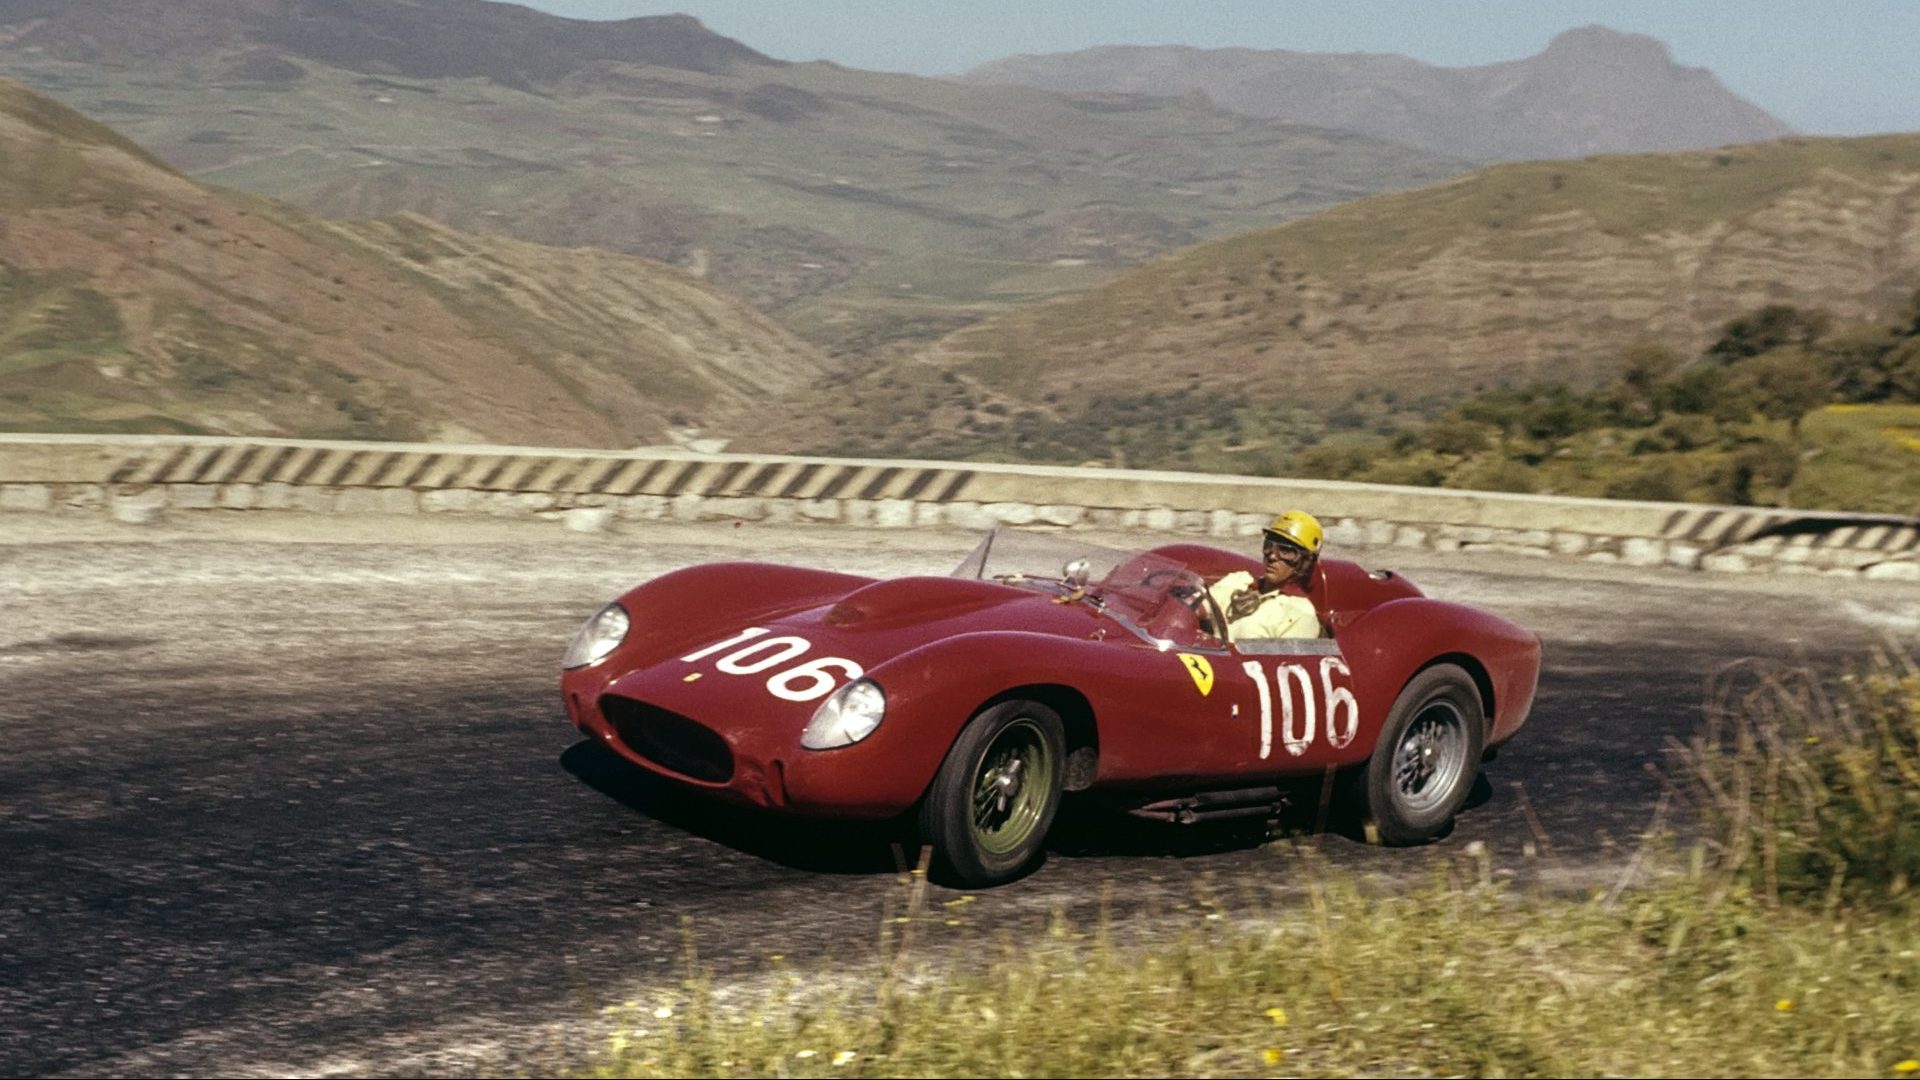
point(845, 718)
point(599, 636)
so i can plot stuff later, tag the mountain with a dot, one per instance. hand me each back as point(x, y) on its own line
point(133, 298)
point(1514, 274)
point(410, 39)
point(861, 208)
point(1592, 91)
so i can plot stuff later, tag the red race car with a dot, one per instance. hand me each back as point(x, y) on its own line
point(1043, 666)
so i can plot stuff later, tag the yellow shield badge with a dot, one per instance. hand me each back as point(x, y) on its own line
point(1201, 671)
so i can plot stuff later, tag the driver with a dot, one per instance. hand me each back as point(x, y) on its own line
point(1290, 550)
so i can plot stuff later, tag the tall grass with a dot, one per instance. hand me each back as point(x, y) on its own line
point(1811, 787)
point(1457, 977)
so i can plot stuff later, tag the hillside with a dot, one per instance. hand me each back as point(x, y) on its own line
point(1785, 408)
point(504, 43)
point(861, 208)
point(1513, 274)
point(1591, 91)
point(135, 299)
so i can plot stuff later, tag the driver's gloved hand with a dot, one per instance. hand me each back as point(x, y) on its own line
point(1243, 603)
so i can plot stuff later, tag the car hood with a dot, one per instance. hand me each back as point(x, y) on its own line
point(868, 626)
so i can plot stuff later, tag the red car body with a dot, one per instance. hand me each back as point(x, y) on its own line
point(724, 665)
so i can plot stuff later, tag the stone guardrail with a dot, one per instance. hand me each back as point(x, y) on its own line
point(138, 479)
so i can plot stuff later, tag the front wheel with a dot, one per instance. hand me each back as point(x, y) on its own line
point(990, 806)
point(1424, 765)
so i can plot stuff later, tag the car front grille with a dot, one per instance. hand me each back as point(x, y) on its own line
point(669, 740)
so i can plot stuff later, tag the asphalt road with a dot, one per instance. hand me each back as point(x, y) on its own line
point(277, 803)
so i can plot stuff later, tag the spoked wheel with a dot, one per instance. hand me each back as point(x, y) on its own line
point(1429, 751)
point(989, 809)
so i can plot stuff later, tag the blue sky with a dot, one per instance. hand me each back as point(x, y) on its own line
point(1850, 68)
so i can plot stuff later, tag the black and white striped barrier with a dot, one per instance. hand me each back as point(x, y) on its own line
point(138, 478)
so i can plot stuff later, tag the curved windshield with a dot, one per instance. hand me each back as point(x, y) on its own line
point(1156, 598)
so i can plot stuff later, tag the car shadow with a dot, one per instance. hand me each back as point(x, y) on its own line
point(1091, 827)
point(802, 844)
point(1085, 827)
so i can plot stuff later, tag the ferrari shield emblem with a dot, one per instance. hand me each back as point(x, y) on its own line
point(1201, 670)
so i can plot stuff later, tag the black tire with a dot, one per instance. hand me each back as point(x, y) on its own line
point(1424, 766)
point(994, 799)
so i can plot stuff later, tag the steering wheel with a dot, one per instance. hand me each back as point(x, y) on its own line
point(1206, 611)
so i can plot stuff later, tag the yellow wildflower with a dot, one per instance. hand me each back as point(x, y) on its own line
point(1273, 1054)
point(1783, 1005)
point(1907, 1066)
point(1278, 1015)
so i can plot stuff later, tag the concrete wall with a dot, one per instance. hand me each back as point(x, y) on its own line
point(143, 478)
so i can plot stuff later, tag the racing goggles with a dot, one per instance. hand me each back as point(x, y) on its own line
point(1282, 548)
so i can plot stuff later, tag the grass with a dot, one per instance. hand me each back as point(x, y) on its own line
point(1813, 786)
point(1457, 978)
point(1732, 962)
point(49, 318)
point(1868, 457)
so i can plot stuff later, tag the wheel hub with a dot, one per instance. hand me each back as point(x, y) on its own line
point(1006, 785)
point(1013, 785)
point(1424, 769)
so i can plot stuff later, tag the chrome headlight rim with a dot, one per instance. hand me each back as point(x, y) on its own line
point(848, 716)
point(598, 637)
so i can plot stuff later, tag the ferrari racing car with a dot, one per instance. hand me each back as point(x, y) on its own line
point(970, 703)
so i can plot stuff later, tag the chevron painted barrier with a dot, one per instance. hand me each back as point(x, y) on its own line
point(141, 478)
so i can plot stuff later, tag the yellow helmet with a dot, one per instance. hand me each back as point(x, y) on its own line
point(1297, 527)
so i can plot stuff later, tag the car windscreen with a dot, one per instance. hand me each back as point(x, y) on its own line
point(1153, 596)
point(1008, 555)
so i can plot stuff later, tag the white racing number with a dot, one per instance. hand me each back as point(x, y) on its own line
point(1302, 703)
point(757, 653)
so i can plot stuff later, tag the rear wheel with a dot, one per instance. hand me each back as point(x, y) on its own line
point(990, 806)
point(1428, 755)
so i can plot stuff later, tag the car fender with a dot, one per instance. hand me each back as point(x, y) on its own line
point(1389, 644)
point(932, 691)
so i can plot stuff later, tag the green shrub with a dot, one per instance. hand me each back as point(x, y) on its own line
point(1813, 790)
point(1653, 482)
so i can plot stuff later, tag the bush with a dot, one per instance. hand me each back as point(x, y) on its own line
point(1339, 459)
point(1650, 483)
point(1759, 474)
point(1706, 391)
point(1454, 436)
point(1422, 469)
point(1767, 329)
point(1495, 474)
point(1678, 432)
point(1813, 791)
